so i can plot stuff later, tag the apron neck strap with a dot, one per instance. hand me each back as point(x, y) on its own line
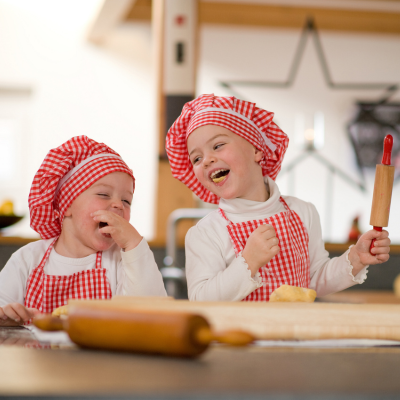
point(284, 203)
point(223, 215)
point(46, 256)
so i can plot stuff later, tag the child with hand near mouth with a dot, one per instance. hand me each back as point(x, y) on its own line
point(80, 204)
point(229, 152)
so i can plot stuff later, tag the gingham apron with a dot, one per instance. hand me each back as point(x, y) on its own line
point(47, 292)
point(291, 266)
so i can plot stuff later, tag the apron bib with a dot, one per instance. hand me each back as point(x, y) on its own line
point(291, 266)
point(48, 292)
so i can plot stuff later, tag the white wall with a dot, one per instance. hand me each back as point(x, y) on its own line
point(229, 53)
point(106, 93)
point(103, 92)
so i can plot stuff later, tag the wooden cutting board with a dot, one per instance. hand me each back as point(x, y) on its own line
point(285, 321)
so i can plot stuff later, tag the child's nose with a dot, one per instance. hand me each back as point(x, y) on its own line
point(208, 160)
point(117, 205)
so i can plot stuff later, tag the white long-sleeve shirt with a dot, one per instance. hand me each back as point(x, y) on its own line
point(131, 273)
point(214, 273)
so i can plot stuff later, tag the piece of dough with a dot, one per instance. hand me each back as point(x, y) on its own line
point(58, 312)
point(293, 293)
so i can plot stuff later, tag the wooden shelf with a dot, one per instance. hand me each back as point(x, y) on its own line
point(340, 19)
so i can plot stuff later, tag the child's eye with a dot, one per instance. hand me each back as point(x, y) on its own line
point(127, 202)
point(217, 146)
point(103, 194)
point(195, 160)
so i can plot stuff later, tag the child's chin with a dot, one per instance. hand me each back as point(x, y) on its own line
point(227, 195)
point(104, 243)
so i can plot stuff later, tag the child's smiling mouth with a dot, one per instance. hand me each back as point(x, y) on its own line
point(219, 175)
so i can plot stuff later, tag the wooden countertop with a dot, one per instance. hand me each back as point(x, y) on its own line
point(243, 373)
point(15, 240)
point(342, 247)
point(31, 368)
point(362, 297)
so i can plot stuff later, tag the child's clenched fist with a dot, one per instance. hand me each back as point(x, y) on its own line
point(261, 246)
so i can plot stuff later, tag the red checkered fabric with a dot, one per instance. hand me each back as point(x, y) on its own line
point(65, 173)
point(48, 292)
point(241, 117)
point(291, 266)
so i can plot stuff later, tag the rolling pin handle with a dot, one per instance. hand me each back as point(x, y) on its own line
point(47, 322)
point(233, 337)
point(387, 150)
point(379, 229)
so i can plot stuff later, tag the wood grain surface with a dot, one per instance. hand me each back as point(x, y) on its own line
point(285, 321)
point(242, 373)
point(382, 196)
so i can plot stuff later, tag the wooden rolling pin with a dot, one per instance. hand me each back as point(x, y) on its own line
point(383, 186)
point(168, 333)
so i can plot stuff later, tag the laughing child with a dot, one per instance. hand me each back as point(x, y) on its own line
point(229, 152)
point(80, 204)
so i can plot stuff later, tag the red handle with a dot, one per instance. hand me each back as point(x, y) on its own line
point(387, 150)
point(379, 229)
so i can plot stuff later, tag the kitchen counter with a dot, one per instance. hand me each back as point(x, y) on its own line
point(380, 277)
point(352, 296)
point(221, 373)
point(15, 240)
point(342, 247)
point(330, 247)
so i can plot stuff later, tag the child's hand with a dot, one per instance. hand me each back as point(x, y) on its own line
point(123, 233)
point(14, 314)
point(261, 246)
point(360, 256)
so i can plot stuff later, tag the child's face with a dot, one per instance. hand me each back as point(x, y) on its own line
point(112, 193)
point(226, 164)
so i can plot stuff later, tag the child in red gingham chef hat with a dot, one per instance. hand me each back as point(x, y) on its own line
point(229, 152)
point(80, 205)
point(49, 198)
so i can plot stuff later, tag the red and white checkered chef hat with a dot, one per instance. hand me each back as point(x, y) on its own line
point(65, 173)
point(241, 117)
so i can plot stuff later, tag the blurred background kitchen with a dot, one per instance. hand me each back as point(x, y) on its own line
point(119, 71)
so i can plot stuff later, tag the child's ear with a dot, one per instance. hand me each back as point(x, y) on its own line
point(258, 155)
point(68, 213)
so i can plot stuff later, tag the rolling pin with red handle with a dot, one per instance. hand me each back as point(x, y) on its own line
point(168, 333)
point(382, 196)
